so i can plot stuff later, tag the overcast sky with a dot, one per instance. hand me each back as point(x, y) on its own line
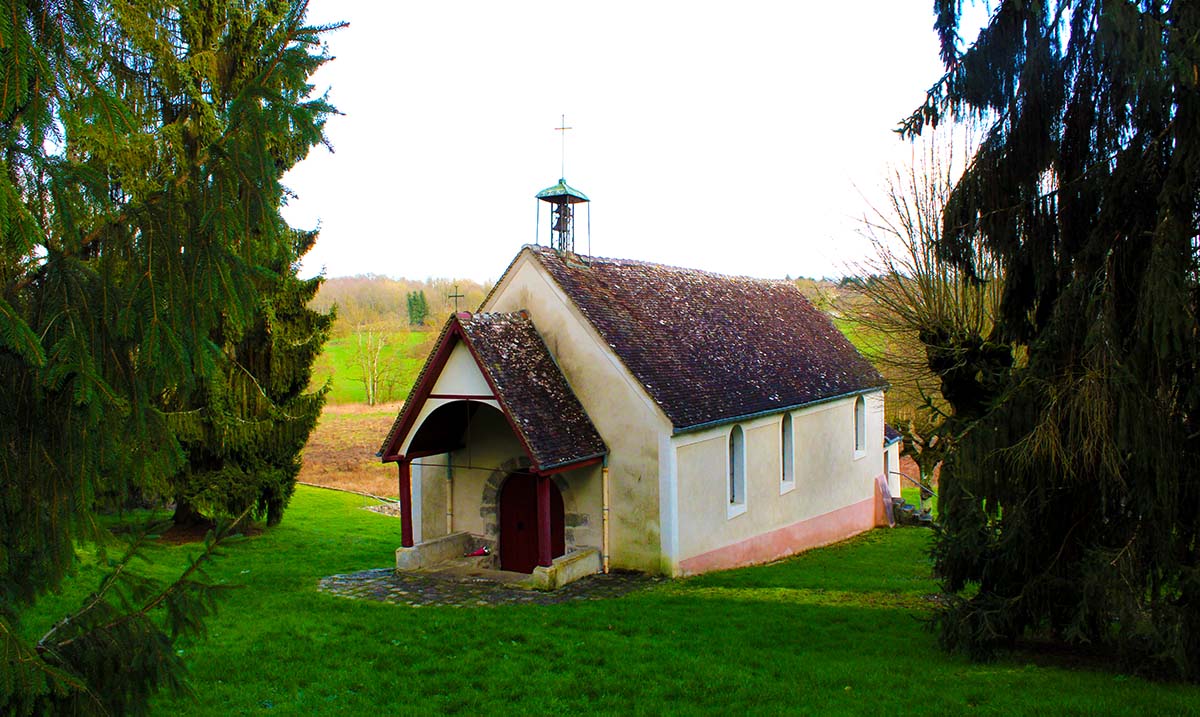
point(743, 137)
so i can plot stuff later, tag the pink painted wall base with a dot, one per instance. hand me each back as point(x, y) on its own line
point(788, 540)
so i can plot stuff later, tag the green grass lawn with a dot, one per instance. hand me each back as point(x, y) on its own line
point(835, 631)
point(336, 363)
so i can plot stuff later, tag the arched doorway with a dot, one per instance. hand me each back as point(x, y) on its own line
point(519, 526)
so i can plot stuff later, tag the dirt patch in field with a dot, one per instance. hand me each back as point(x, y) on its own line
point(341, 450)
point(196, 532)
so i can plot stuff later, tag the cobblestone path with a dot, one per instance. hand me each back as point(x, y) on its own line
point(417, 589)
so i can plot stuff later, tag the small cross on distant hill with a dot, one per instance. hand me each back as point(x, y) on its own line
point(456, 296)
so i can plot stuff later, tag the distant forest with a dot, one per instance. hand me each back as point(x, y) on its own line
point(382, 303)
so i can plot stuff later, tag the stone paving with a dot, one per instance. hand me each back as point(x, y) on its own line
point(477, 589)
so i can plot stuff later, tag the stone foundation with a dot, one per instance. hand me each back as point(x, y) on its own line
point(432, 552)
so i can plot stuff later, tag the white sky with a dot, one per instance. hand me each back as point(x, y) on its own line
point(733, 137)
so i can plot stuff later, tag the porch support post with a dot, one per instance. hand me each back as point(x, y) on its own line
point(406, 520)
point(543, 521)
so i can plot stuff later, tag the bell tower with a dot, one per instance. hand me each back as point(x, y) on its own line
point(562, 199)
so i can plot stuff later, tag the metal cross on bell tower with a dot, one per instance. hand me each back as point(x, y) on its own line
point(562, 198)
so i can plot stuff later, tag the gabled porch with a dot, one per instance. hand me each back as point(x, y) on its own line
point(494, 452)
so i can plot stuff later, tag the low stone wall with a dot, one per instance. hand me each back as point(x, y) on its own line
point(566, 569)
point(435, 551)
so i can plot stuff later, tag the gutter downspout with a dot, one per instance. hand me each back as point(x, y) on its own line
point(449, 494)
point(604, 513)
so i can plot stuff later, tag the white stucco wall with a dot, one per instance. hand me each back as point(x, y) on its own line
point(460, 377)
point(829, 474)
point(492, 444)
point(892, 464)
point(628, 420)
point(431, 472)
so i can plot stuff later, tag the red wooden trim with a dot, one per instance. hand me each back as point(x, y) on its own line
point(570, 466)
point(423, 392)
point(465, 396)
point(406, 522)
point(543, 522)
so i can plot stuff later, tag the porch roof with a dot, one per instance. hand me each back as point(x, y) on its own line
point(534, 396)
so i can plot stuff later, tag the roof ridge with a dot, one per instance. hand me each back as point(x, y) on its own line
point(542, 250)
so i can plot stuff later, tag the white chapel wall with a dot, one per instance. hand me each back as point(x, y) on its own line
point(625, 416)
point(895, 482)
point(828, 476)
point(491, 444)
point(431, 471)
point(461, 375)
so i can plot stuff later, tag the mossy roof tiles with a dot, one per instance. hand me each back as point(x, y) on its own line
point(710, 348)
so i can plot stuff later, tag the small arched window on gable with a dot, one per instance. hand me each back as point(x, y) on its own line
point(737, 472)
point(787, 455)
point(860, 427)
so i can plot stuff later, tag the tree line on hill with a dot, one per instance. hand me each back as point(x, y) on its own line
point(385, 303)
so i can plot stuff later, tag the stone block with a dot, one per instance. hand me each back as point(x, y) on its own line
point(565, 569)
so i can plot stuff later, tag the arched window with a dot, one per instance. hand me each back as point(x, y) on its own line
point(860, 426)
point(737, 471)
point(787, 455)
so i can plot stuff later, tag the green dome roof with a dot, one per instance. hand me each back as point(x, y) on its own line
point(558, 192)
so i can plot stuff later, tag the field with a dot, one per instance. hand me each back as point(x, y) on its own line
point(341, 450)
point(835, 631)
point(337, 364)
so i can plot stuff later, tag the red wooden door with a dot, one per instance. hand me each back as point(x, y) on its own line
point(518, 523)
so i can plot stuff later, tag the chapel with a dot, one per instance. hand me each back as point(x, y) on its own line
point(598, 414)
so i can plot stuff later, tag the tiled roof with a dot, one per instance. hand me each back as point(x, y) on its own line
point(890, 435)
point(710, 348)
point(539, 404)
point(545, 412)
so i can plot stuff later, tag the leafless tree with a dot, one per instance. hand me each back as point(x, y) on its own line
point(924, 315)
point(378, 366)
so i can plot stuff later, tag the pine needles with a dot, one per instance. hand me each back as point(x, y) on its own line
point(149, 308)
point(1071, 509)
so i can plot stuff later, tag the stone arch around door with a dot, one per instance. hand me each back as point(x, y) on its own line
point(489, 506)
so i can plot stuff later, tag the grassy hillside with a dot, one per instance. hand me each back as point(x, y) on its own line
point(835, 631)
point(337, 363)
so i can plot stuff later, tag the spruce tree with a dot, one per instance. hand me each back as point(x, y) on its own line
point(255, 415)
point(422, 308)
point(418, 308)
point(140, 244)
point(1071, 505)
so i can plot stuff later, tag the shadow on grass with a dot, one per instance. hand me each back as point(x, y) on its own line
point(829, 632)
